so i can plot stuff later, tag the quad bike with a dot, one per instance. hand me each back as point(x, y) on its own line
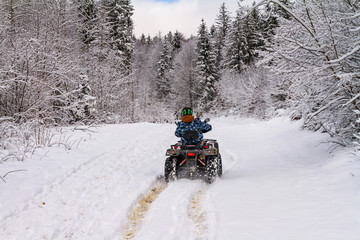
point(193, 161)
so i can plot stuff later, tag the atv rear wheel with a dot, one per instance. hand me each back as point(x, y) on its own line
point(211, 170)
point(170, 169)
point(219, 165)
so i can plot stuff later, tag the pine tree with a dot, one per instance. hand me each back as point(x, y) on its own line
point(169, 38)
point(177, 41)
point(222, 26)
point(223, 22)
point(142, 39)
point(282, 13)
point(254, 37)
point(148, 40)
point(206, 69)
point(82, 103)
point(271, 17)
point(244, 41)
point(212, 31)
point(121, 30)
point(164, 66)
point(236, 43)
point(87, 13)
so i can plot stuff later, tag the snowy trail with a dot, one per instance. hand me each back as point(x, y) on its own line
point(91, 200)
point(278, 183)
point(182, 214)
point(140, 209)
point(286, 186)
point(88, 193)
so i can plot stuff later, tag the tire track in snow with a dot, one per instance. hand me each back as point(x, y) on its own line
point(82, 194)
point(182, 211)
point(199, 215)
point(138, 212)
point(51, 185)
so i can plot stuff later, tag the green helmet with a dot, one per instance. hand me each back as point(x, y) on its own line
point(186, 111)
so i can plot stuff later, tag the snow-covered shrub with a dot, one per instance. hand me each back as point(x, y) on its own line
point(253, 93)
point(317, 50)
point(18, 141)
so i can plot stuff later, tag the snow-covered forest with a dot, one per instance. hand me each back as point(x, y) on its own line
point(78, 62)
point(87, 111)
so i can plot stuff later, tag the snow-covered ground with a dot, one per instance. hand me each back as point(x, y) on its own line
point(279, 183)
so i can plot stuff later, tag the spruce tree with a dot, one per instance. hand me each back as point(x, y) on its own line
point(212, 31)
point(254, 37)
point(164, 65)
point(236, 45)
point(222, 25)
point(177, 41)
point(223, 22)
point(148, 40)
point(244, 41)
point(206, 69)
point(87, 14)
point(82, 103)
point(271, 17)
point(142, 39)
point(169, 38)
point(121, 30)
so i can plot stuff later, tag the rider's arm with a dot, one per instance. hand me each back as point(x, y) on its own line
point(206, 127)
point(203, 126)
point(178, 131)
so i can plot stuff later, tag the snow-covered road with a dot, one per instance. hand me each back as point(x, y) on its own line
point(279, 183)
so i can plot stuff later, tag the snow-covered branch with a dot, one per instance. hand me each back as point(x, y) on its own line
point(354, 50)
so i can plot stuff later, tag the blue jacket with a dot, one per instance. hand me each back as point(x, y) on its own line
point(195, 125)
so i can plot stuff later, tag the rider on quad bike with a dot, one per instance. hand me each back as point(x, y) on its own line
point(189, 123)
point(193, 157)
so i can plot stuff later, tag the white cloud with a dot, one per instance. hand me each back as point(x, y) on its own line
point(151, 16)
